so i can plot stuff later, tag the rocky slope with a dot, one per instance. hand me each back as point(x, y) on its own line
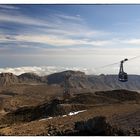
point(113, 120)
point(7, 79)
point(34, 105)
point(78, 80)
point(103, 82)
point(60, 106)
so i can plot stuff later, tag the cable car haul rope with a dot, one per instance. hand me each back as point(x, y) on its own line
point(122, 76)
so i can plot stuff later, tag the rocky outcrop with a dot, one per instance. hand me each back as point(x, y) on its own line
point(31, 78)
point(96, 126)
point(8, 79)
point(120, 95)
point(77, 79)
point(49, 109)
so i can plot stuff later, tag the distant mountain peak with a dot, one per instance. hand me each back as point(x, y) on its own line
point(71, 72)
point(31, 77)
point(29, 74)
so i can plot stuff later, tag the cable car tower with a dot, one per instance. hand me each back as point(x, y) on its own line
point(122, 77)
point(66, 93)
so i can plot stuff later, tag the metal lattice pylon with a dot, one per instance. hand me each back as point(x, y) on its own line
point(66, 93)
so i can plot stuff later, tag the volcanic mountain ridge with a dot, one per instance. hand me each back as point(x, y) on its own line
point(77, 81)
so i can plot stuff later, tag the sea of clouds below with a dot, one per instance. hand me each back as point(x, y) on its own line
point(43, 70)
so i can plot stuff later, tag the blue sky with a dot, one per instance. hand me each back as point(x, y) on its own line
point(69, 36)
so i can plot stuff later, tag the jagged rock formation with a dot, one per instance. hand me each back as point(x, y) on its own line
point(8, 79)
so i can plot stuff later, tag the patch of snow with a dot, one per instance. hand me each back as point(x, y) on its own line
point(77, 112)
point(50, 118)
point(64, 115)
point(43, 119)
point(70, 114)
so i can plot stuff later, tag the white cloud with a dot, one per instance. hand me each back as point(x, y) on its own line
point(54, 40)
point(10, 7)
point(56, 29)
point(22, 19)
point(97, 48)
point(68, 17)
point(59, 41)
point(135, 41)
point(55, 21)
point(131, 67)
point(3, 38)
point(90, 61)
point(76, 31)
point(44, 70)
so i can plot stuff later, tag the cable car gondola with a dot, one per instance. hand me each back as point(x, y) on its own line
point(122, 77)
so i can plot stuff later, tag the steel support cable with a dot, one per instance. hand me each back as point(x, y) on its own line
point(130, 59)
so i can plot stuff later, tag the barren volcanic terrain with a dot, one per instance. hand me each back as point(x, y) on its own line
point(97, 105)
